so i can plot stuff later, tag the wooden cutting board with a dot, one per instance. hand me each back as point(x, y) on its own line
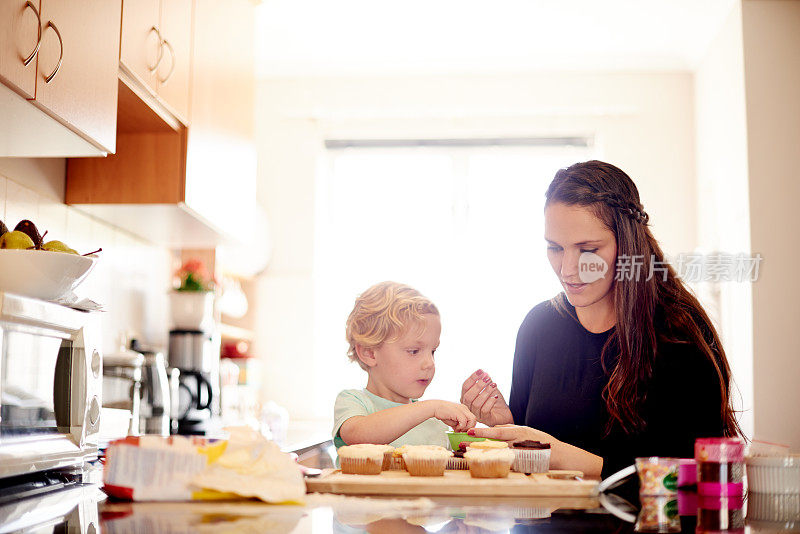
point(455, 482)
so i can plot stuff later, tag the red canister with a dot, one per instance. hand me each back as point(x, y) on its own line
point(720, 466)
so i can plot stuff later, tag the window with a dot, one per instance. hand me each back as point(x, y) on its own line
point(462, 224)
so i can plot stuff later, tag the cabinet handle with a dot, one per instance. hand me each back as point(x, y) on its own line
point(28, 59)
point(160, 50)
point(52, 75)
point(172, 65)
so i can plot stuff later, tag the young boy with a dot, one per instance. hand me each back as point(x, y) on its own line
point(393, 333)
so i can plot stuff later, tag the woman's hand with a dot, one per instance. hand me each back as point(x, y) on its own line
point(480, 394)
point(512, 433)
point(453, 414)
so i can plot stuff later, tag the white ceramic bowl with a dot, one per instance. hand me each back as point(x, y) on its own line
point(42, 274)
point(774, 474)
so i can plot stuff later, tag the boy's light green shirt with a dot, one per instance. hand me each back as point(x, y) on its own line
point(353, 402)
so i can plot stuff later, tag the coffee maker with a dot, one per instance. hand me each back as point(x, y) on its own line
point(196, 354)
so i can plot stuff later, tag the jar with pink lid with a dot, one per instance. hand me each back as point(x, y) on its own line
point(720, 466)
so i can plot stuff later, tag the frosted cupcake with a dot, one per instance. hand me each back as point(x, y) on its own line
point(486, 445)
point(385, 449)
point(489, 463)
point(531, 457)
point(426, 460)
point(359, 460)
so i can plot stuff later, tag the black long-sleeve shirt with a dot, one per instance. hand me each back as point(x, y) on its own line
point(558, 381)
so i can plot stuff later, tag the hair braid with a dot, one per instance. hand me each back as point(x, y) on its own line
point(631, 209)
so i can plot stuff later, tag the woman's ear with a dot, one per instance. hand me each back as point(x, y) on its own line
point(367, 356)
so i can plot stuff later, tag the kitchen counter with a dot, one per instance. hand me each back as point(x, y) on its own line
point(334, 513)
point(83, 509)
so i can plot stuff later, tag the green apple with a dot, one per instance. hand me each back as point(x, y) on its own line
point(16, 239)
point(58, 246)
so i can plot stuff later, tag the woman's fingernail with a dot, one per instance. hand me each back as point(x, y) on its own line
point(494, 385)
point(471, 432)
point(486, 379)
point(479, 372)
point(495, 396)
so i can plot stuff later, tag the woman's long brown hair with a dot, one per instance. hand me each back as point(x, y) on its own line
point(640, 303)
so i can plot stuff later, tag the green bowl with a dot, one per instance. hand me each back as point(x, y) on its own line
point(457, 437)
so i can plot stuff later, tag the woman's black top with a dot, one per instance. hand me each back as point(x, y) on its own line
point(558, 382)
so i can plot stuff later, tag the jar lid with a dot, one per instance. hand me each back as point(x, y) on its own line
point(719, 450)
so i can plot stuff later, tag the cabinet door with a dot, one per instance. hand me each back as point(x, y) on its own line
point(174, 71)
point(78, 65)
point(221, 158)
point(19, 28)
point(140, 48)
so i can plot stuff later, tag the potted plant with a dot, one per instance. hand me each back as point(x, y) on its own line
point(192, 301)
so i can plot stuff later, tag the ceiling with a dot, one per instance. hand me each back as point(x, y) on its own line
point(378, 37)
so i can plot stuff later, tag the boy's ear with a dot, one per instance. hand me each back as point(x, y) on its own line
point(367, 356)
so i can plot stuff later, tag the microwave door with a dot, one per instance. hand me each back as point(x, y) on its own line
point(42, 402)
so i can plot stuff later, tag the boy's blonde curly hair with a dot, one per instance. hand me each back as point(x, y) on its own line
point(383, 313)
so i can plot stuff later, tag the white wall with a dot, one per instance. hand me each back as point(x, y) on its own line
point(771, 31)
point(723, 215)
point(643, 123)
point(131, 278)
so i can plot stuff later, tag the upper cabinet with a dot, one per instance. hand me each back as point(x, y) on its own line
point(62, 56)
point(20, 36)
point(188, 183)
point(156, 50)
point(77, 71)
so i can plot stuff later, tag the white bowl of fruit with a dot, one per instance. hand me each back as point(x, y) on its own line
point(33, 267)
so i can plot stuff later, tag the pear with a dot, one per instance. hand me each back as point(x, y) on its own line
point(16, 239)
point(58, 246)
point(3, 228)
point(30, 229)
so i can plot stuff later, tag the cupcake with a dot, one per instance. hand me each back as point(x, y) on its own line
point(397, 458)
point(385, 449)
point(486, 445)
point(489, 463)
point(531, 457)
point(426, 460)
point(458, 461)
point(358, 460)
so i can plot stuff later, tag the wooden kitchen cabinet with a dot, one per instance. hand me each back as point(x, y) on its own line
point(19, 41)
point(189, 186)
point(64, 101)
point(77, 66)
point(140, 46)
point(156, 49)
point(175, 67)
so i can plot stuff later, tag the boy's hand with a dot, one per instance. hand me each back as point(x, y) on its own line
point(481, 395)
point(454, 415)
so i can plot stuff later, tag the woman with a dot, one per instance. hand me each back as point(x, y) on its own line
point(617, 367)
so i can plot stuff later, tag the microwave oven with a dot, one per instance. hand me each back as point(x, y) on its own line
point(51, 381)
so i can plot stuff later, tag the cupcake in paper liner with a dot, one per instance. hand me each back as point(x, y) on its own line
point(386, 450)
point(486, 463)
point(426, 460)
point(357, 460)
point(397, 462)
point(457, 462)
point(531, 457)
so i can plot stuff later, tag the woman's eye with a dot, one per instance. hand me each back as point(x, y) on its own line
point(413, 351)
point(592, 251)
point(554, 248)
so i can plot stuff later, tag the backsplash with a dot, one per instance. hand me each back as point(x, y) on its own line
point(132, 277)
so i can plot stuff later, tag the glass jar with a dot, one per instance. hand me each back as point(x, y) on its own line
point(720, 466)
